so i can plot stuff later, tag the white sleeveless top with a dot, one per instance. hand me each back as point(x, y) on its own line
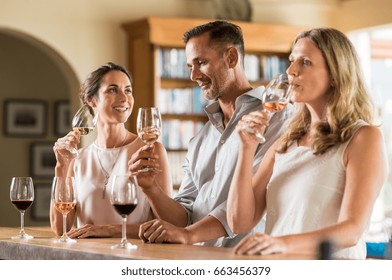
point(305, 193)
point(92, 208)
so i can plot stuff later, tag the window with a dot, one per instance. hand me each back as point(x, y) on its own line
point(374, 47)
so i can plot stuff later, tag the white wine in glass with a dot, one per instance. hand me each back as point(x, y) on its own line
point(83, 121)
point(148, 126)
point(64, 199)
point(124, 199)
point(22, 196)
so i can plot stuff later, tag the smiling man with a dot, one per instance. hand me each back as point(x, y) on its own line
point(215, 56)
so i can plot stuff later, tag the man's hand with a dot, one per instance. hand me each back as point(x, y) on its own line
point(159, 231)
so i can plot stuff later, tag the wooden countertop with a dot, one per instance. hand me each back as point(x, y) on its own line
point(43, 248)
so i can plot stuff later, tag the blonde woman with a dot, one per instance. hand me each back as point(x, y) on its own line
point(320, 180)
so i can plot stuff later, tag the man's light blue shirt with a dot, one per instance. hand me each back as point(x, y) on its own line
point(211, 160)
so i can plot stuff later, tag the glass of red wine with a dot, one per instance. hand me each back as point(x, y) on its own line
point(64, 199)
point(22, 196)
point(124, 199)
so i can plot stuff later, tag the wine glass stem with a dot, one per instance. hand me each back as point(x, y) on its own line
point(21, 222)
point(124, 230)
point(64, 225)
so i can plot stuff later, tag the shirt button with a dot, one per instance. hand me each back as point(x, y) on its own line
point(222, 141)
point(212, 196)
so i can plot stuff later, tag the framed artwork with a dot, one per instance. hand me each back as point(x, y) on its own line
point(62, 123)
point(24, 118)
point(41, 202)
point(42, 159)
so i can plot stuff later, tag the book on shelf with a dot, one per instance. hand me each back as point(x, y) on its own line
point(264, 67)
point(177, 133)
point(172, 63)
point(181, 101)
point(176, 161)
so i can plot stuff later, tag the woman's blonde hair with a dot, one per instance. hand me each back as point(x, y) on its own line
point(348, 102)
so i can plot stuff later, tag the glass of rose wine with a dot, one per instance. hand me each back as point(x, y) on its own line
point(275, 98)
point(148, 126)
point(22, 196)
point(64, 199)
point(124, 199)
point(83, 121)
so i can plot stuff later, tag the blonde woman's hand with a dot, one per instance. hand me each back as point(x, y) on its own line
point(252, 126)
point(260, 244)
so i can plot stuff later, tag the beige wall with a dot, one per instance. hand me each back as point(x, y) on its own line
point(77, 36)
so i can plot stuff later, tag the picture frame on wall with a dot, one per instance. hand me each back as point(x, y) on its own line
point(41, 204)
point(62, 123)
point(42, 159)
point(24, 118)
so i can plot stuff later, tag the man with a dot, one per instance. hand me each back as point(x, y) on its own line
point(215, 56)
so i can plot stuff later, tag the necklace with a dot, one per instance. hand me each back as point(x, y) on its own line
point(107, 173)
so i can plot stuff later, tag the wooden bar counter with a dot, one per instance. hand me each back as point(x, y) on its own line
point(43, 248)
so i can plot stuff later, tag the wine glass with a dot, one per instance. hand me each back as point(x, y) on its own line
point(83, 121)
point(64, 199)
point(148, 126)
point(275, 98)
point(124, 199)
point(22, 196)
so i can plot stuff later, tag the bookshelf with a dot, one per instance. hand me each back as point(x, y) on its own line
point(156, 60)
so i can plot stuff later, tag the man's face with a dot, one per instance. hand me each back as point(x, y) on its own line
point(208, 66)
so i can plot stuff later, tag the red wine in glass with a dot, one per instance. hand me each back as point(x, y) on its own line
point(22, 196)
point(124, 199)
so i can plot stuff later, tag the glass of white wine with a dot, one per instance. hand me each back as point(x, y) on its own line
point(83, 121)
point(148, 126)
point(64, 199)
point(275, 98)
point(22, 196)
point(124, 199)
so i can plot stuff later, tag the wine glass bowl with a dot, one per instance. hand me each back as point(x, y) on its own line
point(276, 94)
point(84, 120)
point(275, 98)
point(124, 199)
point(22, 196)
point(149, 124)
point(64, 199)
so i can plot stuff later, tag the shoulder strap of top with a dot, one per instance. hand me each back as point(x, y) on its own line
point(358, 125)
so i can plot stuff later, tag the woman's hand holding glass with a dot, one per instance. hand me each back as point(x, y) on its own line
point(252, 126)
point(275, 98)
point(83, 123)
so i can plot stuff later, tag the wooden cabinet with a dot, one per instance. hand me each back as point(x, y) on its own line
point(149, 38)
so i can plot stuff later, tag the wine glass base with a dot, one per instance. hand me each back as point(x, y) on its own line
point(22, 236)
point(64, 240)
point(125, 245)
